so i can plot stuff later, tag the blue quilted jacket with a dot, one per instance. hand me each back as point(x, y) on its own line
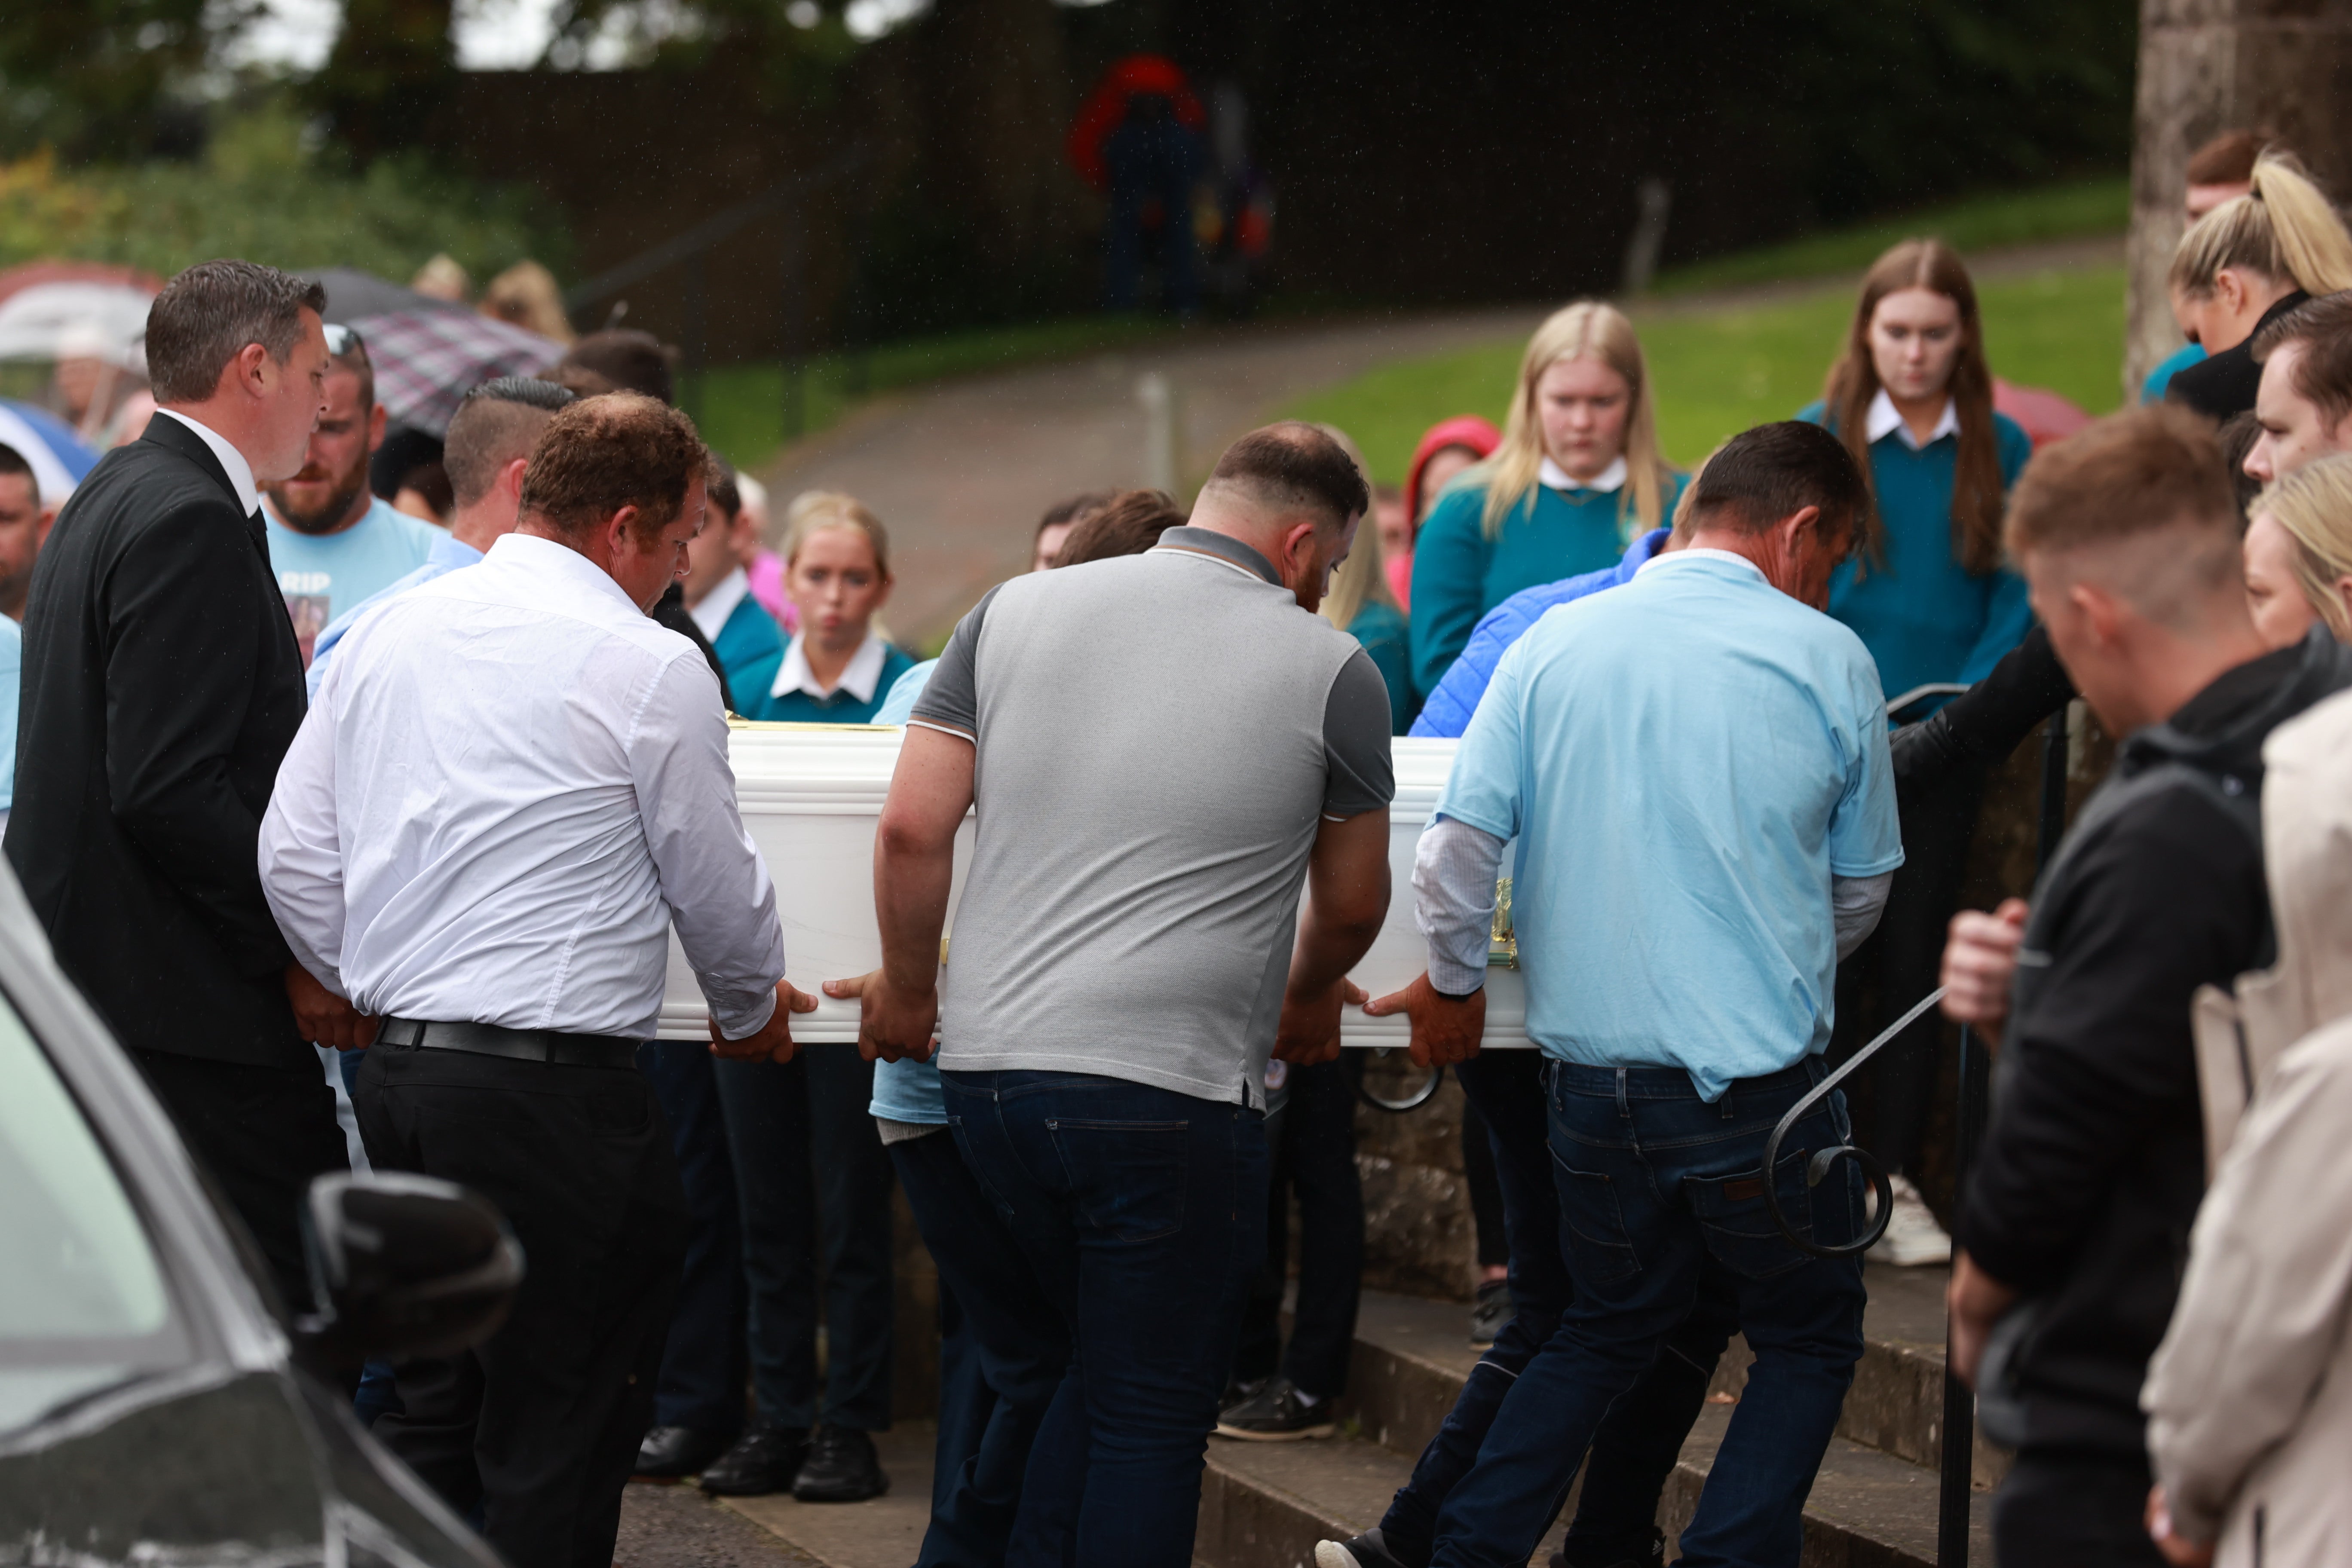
point(1447, 711)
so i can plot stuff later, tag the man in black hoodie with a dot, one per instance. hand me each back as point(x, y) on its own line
point(2075, 1226)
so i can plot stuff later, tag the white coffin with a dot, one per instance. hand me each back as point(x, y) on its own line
point(811, 795)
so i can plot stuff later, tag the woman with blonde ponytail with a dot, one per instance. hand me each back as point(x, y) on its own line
point(2244, 264)
point(1578, 478)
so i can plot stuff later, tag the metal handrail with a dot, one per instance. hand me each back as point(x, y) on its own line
point(1823, 1161)
point(1413, 1101)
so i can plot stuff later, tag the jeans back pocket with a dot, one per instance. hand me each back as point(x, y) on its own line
point(1128, 1178)
point(1737, 1222)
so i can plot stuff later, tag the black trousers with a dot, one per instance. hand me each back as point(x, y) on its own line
point(1486, 1189)
point(2064, 1509)
point(703, 1370)
point(1311, 1145)
point(262, 1133)
point(814, 1183)
point(1901, 963)
point(538, 1425)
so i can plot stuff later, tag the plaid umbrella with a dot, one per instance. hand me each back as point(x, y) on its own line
point(426, 361)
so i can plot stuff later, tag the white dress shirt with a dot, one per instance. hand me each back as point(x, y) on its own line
point(1885, 418)
point(231, 461)
point(858, 676)
point(1607, 481)
point(711, 615)
point(511, 782)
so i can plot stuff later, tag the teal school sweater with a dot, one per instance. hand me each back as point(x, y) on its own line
point(1381, 629)
point(751, 643)
point(1459, 574)
point(841, 707)
point(1922, 616)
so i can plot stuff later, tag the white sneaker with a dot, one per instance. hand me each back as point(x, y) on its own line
point(1913, 1238)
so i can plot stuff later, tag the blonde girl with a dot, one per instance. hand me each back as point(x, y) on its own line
point(2244, 264)
point(1578, 478)
point(838, 668)
point(2299, 554)
point(1358, 602)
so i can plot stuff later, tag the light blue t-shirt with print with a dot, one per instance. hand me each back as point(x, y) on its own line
point(448, 554)
point(12, 669)
point(323, 575)
point(1685, 761)
point(907, 1090)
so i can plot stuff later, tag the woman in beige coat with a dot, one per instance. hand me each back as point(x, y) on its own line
point(2249, 1398)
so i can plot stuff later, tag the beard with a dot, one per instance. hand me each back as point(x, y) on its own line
point(329, 514)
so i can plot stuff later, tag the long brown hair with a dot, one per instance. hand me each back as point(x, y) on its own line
point(1853, 383)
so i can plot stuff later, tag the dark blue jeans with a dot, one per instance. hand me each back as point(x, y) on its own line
point(1143, 1213)
point(1655, 1184)
point(701, 1383)
point(1636, 1446)
point(1003, 1354)
point(815, 1186)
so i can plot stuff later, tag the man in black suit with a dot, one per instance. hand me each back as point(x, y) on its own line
point(160, 689)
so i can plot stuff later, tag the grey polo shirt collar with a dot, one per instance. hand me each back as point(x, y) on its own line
point(1224, 547)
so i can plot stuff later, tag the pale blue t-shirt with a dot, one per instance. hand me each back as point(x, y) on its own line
point(907, 1090)
point(1685, 761)
point(12, 669)
point(322, 575)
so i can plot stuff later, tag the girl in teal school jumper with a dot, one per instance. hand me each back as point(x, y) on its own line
point(838, 669)
point(1911, 396)
point(1578, 476)
point(1357, 602)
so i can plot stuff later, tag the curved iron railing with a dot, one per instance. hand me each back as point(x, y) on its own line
point(1412, 1099)
point(1825, 1160)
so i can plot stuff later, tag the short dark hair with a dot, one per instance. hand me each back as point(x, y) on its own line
point(2134, 472)
point(496, 423)
point(631, 360)
point(2227, 159)
point(602, 454)
point(1130, 523)
point(718, 485)
point(207, 315)
point(2322, 375)
point(1075, 509)
point(11, 462)
point(578, 380)
point(2236, 438)
point(1768, 472)
point(1295, 464)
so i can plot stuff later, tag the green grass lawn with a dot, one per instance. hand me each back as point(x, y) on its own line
point(1715, 372)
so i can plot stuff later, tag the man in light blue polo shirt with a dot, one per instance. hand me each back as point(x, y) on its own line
point(1695, 767)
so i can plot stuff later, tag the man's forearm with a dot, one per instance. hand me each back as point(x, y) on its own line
point(1454, 871)
point(911, 882)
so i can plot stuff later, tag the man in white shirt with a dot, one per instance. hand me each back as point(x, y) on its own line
point(511, 785)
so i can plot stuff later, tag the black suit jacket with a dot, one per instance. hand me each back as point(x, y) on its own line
point(162, 687)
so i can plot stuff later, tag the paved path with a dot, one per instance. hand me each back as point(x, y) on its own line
point(960, 472)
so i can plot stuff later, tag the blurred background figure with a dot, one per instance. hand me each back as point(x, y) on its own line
point(2242, 266)
point(838, 667)
point(24, 524)
point(1053, 528)
point(1138, 139)
point(2219, 171)
point(526, 295)
point(443, 278)
point(1445, 448)
point(718, 590)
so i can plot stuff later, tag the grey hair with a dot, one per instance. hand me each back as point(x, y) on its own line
point(207, 316)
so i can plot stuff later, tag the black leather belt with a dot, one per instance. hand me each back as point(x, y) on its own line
point(519, 1045)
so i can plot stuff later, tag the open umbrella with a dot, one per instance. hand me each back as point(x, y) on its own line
point(59, 460)
point(428, 352)
point(76, 310)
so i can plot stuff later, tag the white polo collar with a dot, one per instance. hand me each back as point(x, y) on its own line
point(231, 461)
point(718, 604)
point(1552, 477)
point(1884, 419)
point(1698, 552)
point(860, 680)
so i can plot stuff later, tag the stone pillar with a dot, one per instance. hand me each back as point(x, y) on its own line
point(2208, 66)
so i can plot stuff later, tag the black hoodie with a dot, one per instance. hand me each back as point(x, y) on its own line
point(2093, 1162)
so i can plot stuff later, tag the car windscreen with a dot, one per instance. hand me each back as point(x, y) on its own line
point(84, 1302)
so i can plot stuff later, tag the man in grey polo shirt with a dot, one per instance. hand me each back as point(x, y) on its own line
point(1162, 748)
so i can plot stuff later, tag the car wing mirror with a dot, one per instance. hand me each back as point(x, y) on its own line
point(404, 1265)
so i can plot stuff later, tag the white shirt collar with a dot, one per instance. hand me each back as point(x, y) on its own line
point(1886, 419)
point(231, 461)
point(1552, 477)
point(860, 680)
point(546, 558)
point(719, 604)
point(1699, 552)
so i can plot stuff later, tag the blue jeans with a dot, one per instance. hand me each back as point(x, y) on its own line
point(1003, 1354)
point(1655, 1184)
point(701, 1385)
point(1143, 1213)
point(1636, 1446)
point(813, 1186)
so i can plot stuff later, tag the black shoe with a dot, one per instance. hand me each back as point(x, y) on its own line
point(670, 1453)
point(1655, 1557)
point(1492, 1312)
point(1277, 1415)
point(763, 1460)
point(1366, 1551)
point(841, 1467)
